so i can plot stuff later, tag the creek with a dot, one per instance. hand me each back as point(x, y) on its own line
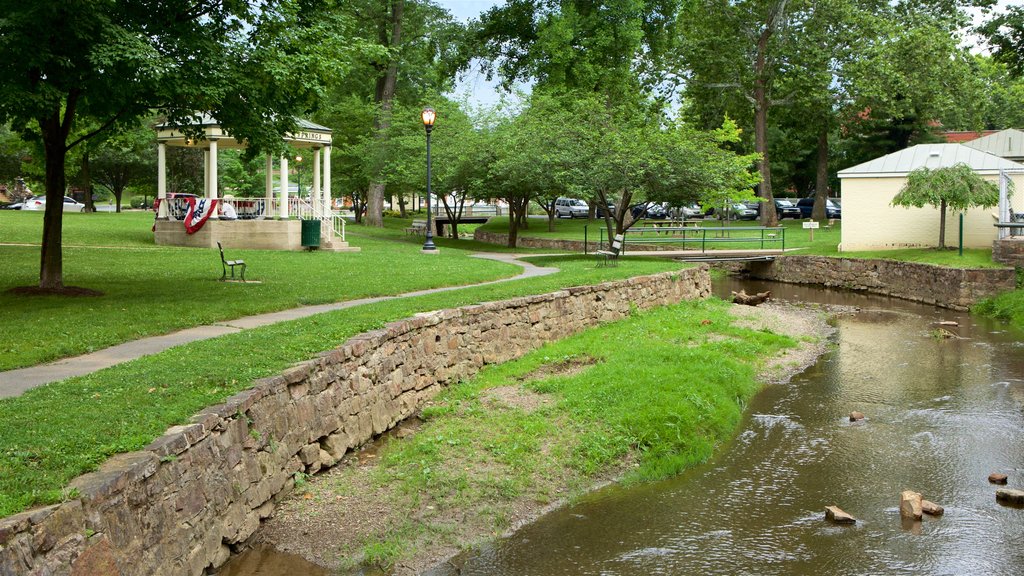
point(941, 414)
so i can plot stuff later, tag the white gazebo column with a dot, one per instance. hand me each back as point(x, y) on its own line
point(315, 194)
point(284, 187)
point(213, 173)
point(327, 178)
point(206, 173)
point(161, 179)
point(268, 197)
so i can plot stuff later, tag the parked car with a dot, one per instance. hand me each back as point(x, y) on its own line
point(39, 203)
point(740, 211)
point(651, 211)
point(571, 208)
point(691, 211)
point(786, 209)
point(806, 205)
point(11, 206)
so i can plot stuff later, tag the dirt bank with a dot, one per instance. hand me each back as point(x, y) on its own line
point(344, 516)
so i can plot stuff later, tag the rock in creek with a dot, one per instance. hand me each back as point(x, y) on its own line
point(910, 505)
point(836, 514)
point(932, 508)
point(1010, 496)
point(856, 416)
point(742, 297)
point(948, 323)
point(997, 478)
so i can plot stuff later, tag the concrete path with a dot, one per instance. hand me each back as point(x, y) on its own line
point(14, 382)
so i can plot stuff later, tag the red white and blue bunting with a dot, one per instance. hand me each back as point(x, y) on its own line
point(199, 211)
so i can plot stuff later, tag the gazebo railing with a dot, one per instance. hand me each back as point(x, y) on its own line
point(332, 223)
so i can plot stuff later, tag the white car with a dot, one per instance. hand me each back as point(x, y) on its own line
point(39, 203)
point(571, 208)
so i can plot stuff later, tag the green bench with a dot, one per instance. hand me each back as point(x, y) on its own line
point(225, 264)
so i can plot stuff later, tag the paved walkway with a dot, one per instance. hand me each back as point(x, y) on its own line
point(14, 382)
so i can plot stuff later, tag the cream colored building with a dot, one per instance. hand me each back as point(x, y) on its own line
point(871, 222)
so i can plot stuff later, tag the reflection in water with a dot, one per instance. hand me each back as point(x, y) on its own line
point(263, 561)
point(941, 415)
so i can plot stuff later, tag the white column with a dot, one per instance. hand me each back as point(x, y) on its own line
point(315, 195)
point(206, 173)
point(327, 177)
point(268, 197)
point(161, 179)
point(213, 173)
point(284, 187)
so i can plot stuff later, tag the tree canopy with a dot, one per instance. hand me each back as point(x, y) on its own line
point(957, 187)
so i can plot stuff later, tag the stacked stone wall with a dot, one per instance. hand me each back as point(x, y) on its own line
point(1009, 251)
point(562, 245)
point(952, 288)
point(182, 505)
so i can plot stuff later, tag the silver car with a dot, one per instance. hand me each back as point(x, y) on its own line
point(39, 203)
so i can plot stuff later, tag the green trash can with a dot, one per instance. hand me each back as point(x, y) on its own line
point(311, 234)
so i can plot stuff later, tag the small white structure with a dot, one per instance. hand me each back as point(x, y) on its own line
point(870, 222)
point(271, 222)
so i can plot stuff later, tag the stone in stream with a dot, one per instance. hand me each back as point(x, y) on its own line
point(836, 514)
point(910, 505)
point(856, 416)
point(997, 478)
point(1010, 496)
point(931, 508)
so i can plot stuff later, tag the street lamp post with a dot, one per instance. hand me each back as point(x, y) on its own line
point(298, 176)
point(428, 116)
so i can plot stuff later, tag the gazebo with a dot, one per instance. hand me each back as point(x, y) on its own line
point(272, 222)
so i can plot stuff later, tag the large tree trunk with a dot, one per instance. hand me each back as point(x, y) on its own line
point(762, 102)
point(385, 97)
point(54, 132)
point(818, 212)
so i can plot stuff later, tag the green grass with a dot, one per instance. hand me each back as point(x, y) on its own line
point(474, 453)
point(1008, 306)
point(150, 289)
point(825, 243)
point(53, 433)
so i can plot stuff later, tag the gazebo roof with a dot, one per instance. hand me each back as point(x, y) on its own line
point(309, 135)
point(907, 160)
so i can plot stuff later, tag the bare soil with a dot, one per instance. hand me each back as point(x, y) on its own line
point(336, 513)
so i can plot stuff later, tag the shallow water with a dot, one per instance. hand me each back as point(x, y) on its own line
point(941, 415)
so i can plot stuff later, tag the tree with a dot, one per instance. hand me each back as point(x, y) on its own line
point(110, 62)
point(1005, 33)
point(957, 187)
point(123, 160)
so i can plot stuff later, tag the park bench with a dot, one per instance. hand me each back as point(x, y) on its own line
point(225, 264)
point(418, 227)
point(610, 257)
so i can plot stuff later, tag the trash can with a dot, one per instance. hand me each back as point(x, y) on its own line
point(311, 234)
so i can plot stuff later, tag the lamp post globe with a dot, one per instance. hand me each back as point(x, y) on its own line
point(428, 117)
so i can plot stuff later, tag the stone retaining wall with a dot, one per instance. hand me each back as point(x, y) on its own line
point(1009, 251)
point(947, 287)
point(184, 503)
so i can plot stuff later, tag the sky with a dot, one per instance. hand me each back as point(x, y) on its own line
point(479, 90)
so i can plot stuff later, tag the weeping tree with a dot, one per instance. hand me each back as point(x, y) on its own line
point(956, 187)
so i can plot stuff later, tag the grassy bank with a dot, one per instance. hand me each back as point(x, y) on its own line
point(149, 289)
point(644, 398)
point(1008, 306)
point(54, 433)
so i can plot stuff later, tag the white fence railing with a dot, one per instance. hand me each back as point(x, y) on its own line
point(331, 223)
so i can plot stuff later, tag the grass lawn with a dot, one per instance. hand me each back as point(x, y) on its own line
point(53, 433)
point(151, 289)
point(825, 243)
point(1008, 306)
point(549, 424)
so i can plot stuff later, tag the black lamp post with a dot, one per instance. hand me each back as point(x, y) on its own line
point(428, 123)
